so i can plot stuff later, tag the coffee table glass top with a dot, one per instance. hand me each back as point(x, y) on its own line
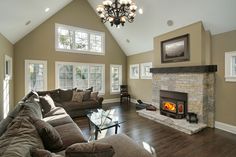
point(104, 119)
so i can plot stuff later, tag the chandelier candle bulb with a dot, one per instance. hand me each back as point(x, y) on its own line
point(117, 11)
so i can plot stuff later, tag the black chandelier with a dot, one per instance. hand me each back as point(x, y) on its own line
point(117, 12)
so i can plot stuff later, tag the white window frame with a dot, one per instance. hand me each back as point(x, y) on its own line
point(134, 66)
point(143, 65)
point(120, 78)
point(102, 34)
point(74, 64)
point(27, 62)
point(229, 77)
point(8, 71)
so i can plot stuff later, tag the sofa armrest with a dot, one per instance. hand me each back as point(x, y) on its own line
point(90, 150)
point(124, 146)
point(100, 100)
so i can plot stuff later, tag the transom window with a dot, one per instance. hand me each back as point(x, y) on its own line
point(80, 75)
point(79, 40)
point(35, 75)
point(116, 78)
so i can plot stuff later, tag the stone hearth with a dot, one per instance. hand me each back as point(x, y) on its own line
point(197, 81)
point(179, 124)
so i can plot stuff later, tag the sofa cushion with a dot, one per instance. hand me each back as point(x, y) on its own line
point(50, 137)
point(58, 119)
point(78, 96)
point(67, 130)
point(46, 103)
point(4, 123)
point(31, 108)
point(36, 152)
point(87, 94)
point(69, 106)
point(124, 146)
point(53, 93)
point(90, 150)
point(19, 138)
point(55, 111)
point(94, 96)
point(66, 95)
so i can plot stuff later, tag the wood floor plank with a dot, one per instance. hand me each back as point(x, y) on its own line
point(167, 141)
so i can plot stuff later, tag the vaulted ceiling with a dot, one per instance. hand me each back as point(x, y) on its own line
point(217, 16)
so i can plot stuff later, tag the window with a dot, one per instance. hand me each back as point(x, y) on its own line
point(8, 67)
point(230, 66)
point(35, 75)
point(134, 71)
point(80, 75)
point(79, 40)
point(145, 71)
point(115, 78)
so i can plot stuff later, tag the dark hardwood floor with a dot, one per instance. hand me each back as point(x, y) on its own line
point(168, 142)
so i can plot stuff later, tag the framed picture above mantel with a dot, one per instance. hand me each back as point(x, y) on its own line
point(175, 49)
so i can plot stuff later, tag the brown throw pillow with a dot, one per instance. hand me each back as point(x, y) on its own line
point(94, 95)
point(78, 96)
point(87, 94)
point(90, 150)
point(46, 103)
point(50, 137)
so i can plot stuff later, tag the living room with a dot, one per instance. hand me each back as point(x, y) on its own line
point(31, 37)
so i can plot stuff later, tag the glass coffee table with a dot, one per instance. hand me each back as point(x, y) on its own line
point(102, 120)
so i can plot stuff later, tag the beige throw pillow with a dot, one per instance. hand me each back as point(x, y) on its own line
point(78, 96)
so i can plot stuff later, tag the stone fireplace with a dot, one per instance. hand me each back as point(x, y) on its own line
point(198, 82)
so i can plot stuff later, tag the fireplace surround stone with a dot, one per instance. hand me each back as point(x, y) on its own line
point(197, 81)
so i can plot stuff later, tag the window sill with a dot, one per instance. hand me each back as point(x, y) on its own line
point(230, 78)
point(80, 52)
point(114, 93)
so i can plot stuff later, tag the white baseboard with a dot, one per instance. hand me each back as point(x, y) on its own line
point(225, 127)
point(106, 101)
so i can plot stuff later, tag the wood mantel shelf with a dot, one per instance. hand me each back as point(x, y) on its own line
point(186, 69)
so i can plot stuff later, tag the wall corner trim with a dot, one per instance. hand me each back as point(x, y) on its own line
point(225, 127)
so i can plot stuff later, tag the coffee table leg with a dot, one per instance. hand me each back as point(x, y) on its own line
point(116, 129)
point(96, 133)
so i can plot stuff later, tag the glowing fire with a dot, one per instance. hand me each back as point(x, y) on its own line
point(169, 106)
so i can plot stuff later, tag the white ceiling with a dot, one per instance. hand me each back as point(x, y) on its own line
point(217, 16)
point(14, 14)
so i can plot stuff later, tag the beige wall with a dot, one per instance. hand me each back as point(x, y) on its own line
point(40, 45)
point(225, 91)
point(6, 48)
point(197, 47)
point(140, 88)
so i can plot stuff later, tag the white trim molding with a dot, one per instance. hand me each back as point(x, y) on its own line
point(230, 65)
point(225, 127)
point(106, 101)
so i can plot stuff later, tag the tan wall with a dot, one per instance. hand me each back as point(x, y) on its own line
point(140, 88)
point(225, 91)
point(40, 45)
point(6, 48)
point(197, 48)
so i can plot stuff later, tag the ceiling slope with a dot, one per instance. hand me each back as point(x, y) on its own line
point(14, 14)
point(217, 16)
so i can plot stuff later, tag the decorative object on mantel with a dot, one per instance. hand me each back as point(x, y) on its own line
point(175, 49)
point(192, 117)
point(117, 12)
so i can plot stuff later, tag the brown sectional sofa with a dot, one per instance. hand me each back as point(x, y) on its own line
point(63, 98)
point(20, 137)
